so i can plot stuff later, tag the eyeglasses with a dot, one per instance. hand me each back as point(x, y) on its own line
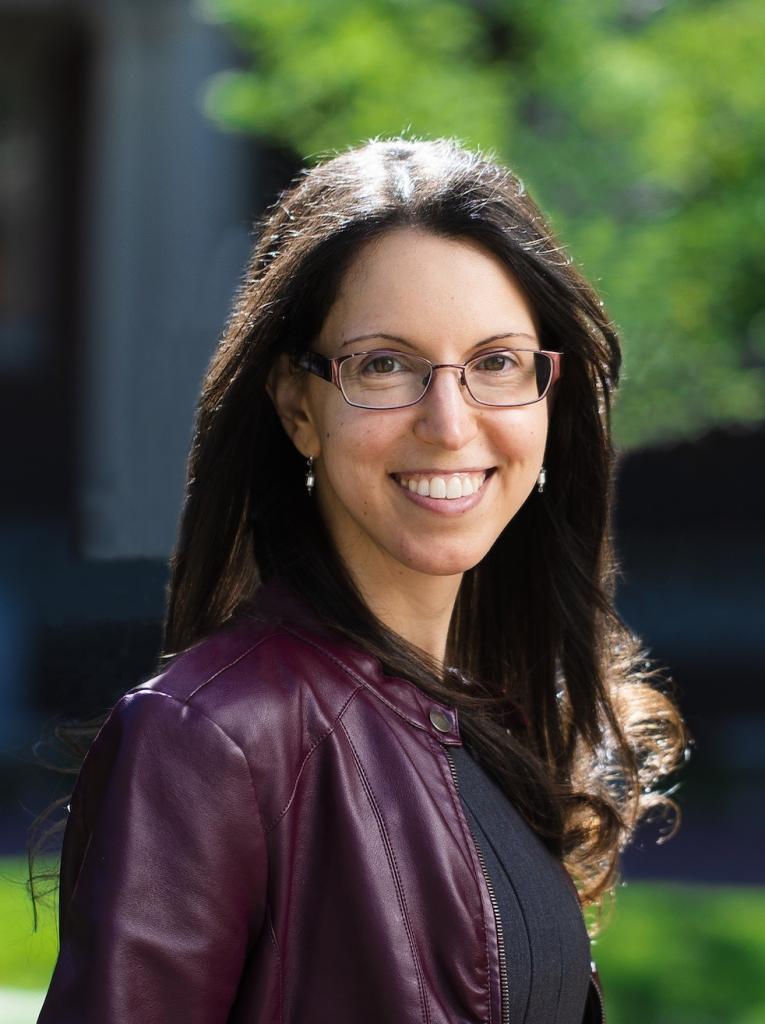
point(388, 379)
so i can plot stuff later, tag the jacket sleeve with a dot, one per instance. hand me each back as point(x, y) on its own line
point(163, 872)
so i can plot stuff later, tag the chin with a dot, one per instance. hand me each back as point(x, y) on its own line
point(445, 564)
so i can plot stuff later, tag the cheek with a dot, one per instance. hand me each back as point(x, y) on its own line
point(523, 439)
point(357, 448)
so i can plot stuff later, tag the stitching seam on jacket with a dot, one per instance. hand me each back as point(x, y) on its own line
point(231, 740)
point(319, 740)
point(275, 944)
point(235, 661)
point(220, 729)
point(280, 631)
point(225, 668)
point(396, 875)
point(354, 675)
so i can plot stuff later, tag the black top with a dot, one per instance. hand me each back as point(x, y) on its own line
point(546, 941)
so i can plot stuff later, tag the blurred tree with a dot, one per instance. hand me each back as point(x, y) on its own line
point(636, 123)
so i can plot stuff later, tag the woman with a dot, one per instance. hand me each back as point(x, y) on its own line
point(399, 735)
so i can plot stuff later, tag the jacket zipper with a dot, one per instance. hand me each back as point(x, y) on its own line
point(596, 984)
point(504, 999)
point(505, 1002)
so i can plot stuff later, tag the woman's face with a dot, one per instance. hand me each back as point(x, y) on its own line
point(444, 297)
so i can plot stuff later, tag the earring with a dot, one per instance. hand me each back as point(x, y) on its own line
point(309, 476)
point(541, 479)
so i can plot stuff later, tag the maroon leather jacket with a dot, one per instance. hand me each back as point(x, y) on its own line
point(269, 832)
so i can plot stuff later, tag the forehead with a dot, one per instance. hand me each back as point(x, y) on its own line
point(412, 280)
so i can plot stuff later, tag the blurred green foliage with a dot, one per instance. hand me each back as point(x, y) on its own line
point(636, 124)
point(668, 954)
point(684, 954)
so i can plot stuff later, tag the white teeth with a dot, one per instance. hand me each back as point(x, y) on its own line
point(455, 486)
point(453, 489)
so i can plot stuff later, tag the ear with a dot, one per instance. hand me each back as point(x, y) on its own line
point(286, 389)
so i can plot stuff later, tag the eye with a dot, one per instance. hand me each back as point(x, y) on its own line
point(384, 364)
point(496, 362)
point(380, 364)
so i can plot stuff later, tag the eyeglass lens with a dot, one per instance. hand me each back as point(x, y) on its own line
point(385, 379)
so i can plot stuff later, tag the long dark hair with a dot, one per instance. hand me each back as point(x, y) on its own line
point(555, 693)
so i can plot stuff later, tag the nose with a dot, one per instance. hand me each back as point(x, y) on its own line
point(446, 413)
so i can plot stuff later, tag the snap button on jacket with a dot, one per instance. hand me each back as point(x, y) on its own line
point(268, 832)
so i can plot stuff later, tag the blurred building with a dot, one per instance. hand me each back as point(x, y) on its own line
point(125, 223)
point(689, 521)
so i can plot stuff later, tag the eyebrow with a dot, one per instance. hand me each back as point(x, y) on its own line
point(411, 345)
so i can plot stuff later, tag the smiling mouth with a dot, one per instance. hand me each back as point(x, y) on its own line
point(449, 486)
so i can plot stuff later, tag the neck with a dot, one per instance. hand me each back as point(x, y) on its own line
point(416, 606)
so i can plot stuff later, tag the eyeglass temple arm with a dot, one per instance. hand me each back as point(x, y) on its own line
point(315, 362)
point(557, 358)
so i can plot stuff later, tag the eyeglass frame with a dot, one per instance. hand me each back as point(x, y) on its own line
point(328, 368)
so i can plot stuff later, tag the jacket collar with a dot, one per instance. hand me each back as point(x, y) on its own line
point(275, 601)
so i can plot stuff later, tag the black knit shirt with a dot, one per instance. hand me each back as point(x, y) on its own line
point(546, 942)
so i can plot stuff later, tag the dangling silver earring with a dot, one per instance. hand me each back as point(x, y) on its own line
point(541, 480)
point(309, 476)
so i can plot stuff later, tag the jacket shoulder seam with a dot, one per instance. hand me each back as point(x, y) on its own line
point(336, 716)
point(216, 725)
point(316, 743)
point(358, 679)
point(323, 650)
point(280, 631)
point(230, 664)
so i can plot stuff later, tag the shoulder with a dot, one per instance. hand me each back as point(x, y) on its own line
point(273, 690)
point(253, 671)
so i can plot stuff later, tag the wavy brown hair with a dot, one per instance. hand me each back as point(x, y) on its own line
point(555, 694)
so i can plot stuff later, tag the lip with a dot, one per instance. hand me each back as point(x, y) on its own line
point(447, 506)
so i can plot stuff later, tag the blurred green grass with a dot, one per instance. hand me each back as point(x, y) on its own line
point(26, 957)
point(669, 954)
point(684, 954)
